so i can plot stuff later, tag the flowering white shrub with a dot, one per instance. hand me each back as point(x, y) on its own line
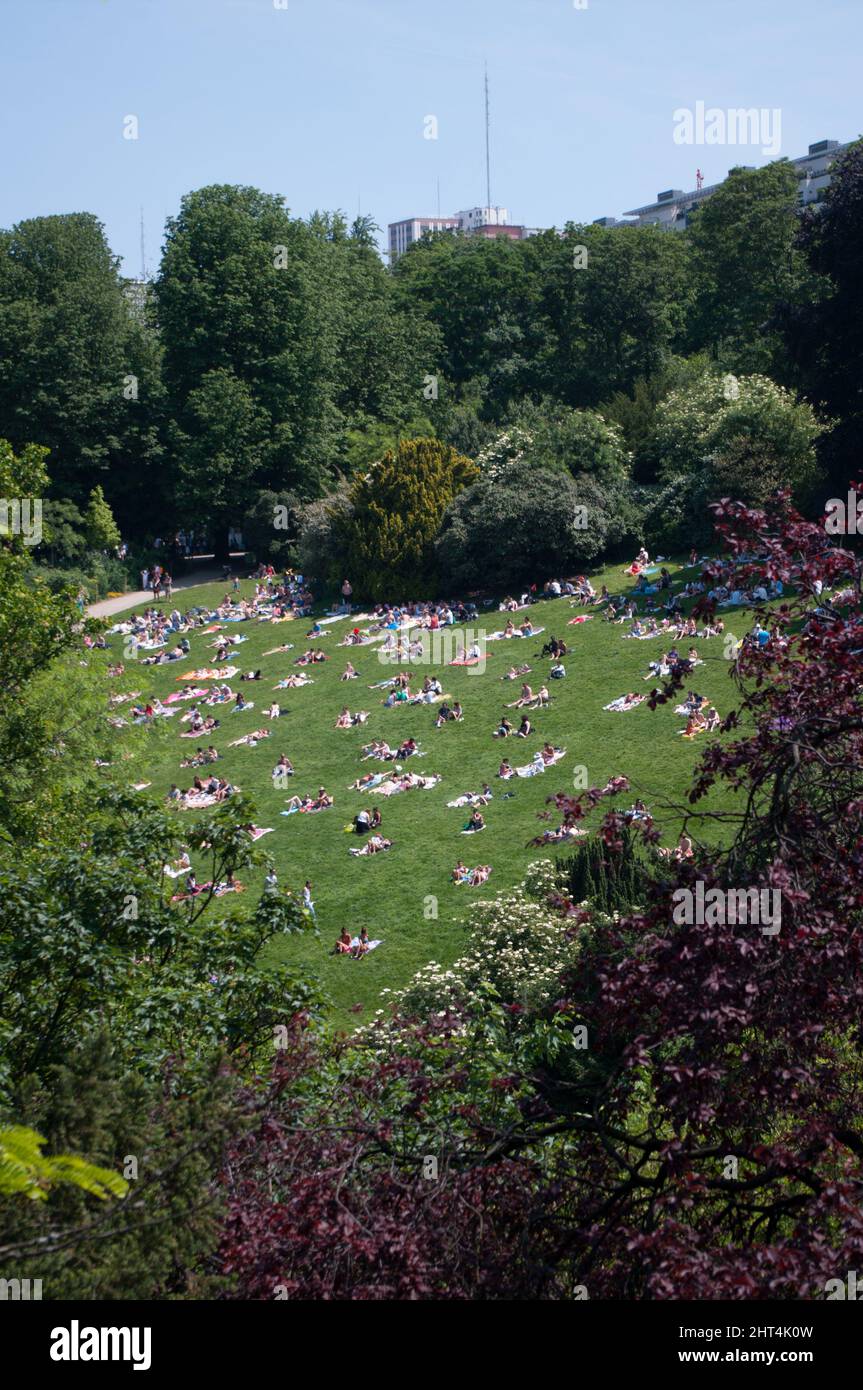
point(517, 947)
point(507, 449)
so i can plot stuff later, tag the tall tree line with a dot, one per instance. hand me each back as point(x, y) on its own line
point(275, 355)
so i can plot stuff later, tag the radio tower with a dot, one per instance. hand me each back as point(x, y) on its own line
point(487, 146)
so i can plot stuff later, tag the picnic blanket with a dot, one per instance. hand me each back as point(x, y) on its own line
point(370, 945)
point(417, 783)
point(197, 693)
point(256, 831)
point(621, 705)
point(538, 764)
point(502, 636)
point(210, 673)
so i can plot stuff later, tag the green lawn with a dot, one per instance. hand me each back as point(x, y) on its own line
point(389, 892)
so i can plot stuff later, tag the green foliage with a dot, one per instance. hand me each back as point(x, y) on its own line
point(579, 441)
point(397, 509)
point(26, 1172)
point(522, 522)
point(100, 527)
point(746, 264)
point(707, 421)
point(609, 880)
point(68, 342)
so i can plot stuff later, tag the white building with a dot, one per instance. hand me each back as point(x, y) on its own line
point(411, 229)
point(674, 207)
point(471, 218)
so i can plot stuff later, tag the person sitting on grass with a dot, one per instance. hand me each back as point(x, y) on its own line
point(349, 673)
point(475, 823)
point(362, 947)
point(504, 729)
point(525, 728)
point(343, 945)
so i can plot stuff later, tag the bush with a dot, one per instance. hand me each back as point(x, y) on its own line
point(397, 509)
point(522, 526)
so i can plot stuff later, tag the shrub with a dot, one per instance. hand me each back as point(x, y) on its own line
point(506, 531)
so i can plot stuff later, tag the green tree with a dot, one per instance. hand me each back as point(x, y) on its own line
point(396, 511)
point(523, 524)
point(710, 417)
point(100, 526)
point(746, 266)
point(249, 350)
point(73, 375)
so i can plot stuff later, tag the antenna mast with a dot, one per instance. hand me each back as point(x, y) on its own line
point(487, 145)
point(488, 159)
point(143, 252)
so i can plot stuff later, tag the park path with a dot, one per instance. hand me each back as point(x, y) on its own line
point(106, 607)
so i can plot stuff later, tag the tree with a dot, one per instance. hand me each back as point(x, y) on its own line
point(100, 526)
point(704, 426)
point(69, 348)
point(396, 511)
point(249, 350)
point(824, 336)
point(523, 523)
point(747, 268)
point(580, 441)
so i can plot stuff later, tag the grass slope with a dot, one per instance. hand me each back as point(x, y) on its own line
point(390, 892)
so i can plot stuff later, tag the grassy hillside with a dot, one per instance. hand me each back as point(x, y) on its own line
point(390, 892)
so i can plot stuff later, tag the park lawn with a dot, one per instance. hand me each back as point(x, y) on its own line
point(405, 896)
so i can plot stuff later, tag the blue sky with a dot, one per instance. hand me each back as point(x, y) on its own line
point(325, 101)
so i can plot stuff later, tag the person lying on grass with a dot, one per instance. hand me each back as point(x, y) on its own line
point(472, 877)
point(294, 682)
point(516, 672)
point(376, 844)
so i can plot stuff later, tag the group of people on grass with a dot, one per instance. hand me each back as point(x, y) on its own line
point(277, 599)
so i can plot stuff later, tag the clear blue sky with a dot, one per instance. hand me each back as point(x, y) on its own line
point(325, 101)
